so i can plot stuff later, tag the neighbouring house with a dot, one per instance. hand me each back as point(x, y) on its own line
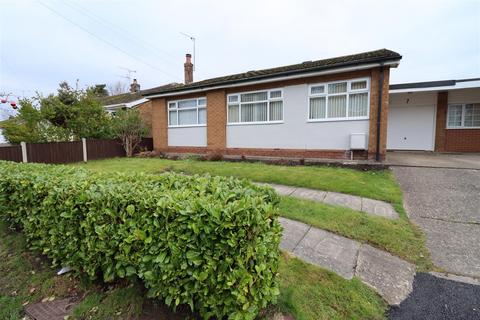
point(441, 116)
point(132, 99)
point(331, 108)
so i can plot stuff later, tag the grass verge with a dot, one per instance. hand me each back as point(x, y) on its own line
point(307, 292)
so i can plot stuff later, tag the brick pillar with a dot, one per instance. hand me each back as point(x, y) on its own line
point(159, 124)
point(441, 121)
point(216, 120)
point(372, 140)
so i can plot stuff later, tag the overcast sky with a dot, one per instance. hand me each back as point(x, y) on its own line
point(47, 41)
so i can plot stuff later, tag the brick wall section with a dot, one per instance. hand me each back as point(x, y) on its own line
point(159, 123)
point(462, 140)
point(441, 121)
point(372, 140)
point(145, 110)
point(216, 120)
point(281, 153)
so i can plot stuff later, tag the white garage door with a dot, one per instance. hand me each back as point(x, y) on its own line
point(411, 127)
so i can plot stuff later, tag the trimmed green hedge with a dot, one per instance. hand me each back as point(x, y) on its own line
point(209, 242)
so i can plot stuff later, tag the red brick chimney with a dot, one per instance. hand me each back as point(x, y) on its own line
point(188, 66)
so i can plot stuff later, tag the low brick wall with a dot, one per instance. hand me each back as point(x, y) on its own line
point(462, 140)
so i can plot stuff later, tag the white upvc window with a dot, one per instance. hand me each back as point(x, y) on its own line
point(463, 116)
point(255, 107)
point(188, 112)
point(339, 100)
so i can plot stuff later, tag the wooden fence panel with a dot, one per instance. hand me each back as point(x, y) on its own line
point(67, 152)
point(55, 152)
point(104, 148)
point(11, 153)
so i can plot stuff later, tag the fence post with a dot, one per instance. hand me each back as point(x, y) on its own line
point(24, 151)
point(84, 145)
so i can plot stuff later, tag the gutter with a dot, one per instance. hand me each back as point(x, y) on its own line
point(393, 64)
point(379, 112)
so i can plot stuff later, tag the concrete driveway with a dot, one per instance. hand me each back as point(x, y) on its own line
point(445, 203)
point(435, 160)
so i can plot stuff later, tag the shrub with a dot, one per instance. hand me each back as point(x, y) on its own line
point(209, 242)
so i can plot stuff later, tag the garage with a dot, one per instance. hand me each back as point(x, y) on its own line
point(411, 122)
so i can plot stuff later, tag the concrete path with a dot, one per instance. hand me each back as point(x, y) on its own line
point(433, 160)
point(390, 276)
point(370, 206)
point(445, 203)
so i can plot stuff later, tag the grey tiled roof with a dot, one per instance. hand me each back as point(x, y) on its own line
point(381, 55)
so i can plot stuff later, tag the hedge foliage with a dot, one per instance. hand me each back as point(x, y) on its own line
point(209, 242)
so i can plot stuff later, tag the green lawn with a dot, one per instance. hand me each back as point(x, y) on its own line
point(400, 237)
point(306, 292)
point(379, 185)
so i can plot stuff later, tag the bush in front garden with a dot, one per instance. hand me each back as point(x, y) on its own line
point(209, 242)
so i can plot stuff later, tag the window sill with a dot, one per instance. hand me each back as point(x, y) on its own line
point(187, 126)
point(337, 119)
point(461, 128)
point(254, 123)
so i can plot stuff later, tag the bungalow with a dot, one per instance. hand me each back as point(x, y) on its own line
point(331, 108)
point(440, 116)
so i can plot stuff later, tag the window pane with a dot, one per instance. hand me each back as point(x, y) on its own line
point(276, 111)
point(317, 108)
point(275, 94)
point(202, 116)
point(187, 103)
point(358, 105)
point(233, 113)
point(173, 118)
point(472, 115)
point(171, 105)
point(256, 96)
point(357, 85)
point(202, 102)
point(317, 90)
point(253, 112)
point(337, 107)
point(232, 98)
point(337, 87)
point(455, 116)
point(186, 117)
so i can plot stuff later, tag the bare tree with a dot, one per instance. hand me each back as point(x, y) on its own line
point(118, 87)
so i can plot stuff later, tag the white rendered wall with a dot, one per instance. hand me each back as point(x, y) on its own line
point(295, 132)
point(187, 136)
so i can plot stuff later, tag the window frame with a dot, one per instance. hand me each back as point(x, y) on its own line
point(462, 124)
point(348, 92)
point(177, 109)
point(269, 99)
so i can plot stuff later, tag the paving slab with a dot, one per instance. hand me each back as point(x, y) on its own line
point(328, 250)
point(379, 208)
point(390, 276)
point(309, 194)
point(293, 232)
point(344, 200)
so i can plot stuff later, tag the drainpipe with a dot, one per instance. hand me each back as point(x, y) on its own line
point(379, 111)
